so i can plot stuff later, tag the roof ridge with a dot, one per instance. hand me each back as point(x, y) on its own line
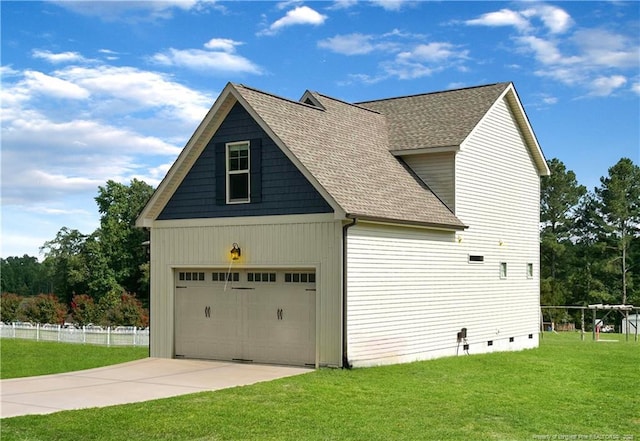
point(433, 93)
point(273, 95)
point(344, 102)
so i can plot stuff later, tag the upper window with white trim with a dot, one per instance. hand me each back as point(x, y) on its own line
point(238, 172)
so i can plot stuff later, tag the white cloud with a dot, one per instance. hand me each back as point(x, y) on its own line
point(223, 44)
point(109, 54)
point(351, 44)
point(545, 51)
point(128, 89)
point(605, 86)
point(301, 15)
point(434, 52)
point(390, 5)
point(405, 55)
point(135, 11)
point(221, 62)
point(591, 58)
point(83, 136)
point(61, 57)
point(635, 87)
point(604, 48)
point(52, 86)
point(67, 131)
point(503, 17)
point(6, 71)
point(220, 57)
point(408, 70)
point(343, 4)
point(425, 59)
point(555, 20)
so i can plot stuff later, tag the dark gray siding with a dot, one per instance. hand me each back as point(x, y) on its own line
point(285, 190)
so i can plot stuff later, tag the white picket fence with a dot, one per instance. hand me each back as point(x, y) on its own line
point(95, 335)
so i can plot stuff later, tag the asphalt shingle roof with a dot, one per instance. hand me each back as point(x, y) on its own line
point(346, 148)
point(440, 119)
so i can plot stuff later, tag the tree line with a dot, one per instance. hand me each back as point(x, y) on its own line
point(106, 272)
point(590, 240)
point(589, 248)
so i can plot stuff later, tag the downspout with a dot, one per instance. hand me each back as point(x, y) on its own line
point(345, 358)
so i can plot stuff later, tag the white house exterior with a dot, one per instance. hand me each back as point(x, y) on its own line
point(370, 233)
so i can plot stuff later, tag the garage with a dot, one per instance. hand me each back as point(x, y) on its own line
point(250, 315)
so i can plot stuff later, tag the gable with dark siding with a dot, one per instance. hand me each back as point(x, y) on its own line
point(283, 189)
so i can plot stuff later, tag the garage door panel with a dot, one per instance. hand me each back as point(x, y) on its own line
point(257, 317)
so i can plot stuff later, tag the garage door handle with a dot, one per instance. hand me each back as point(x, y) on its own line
point(207, 311)
point(279, 314)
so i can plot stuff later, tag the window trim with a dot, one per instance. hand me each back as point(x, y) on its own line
point(228, 173)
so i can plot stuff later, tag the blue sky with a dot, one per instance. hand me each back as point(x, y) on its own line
point(93, 91)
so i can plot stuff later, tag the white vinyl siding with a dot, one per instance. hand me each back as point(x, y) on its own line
point(437, 170)
point(310, 243)
point(410, 291)
point(498, 197)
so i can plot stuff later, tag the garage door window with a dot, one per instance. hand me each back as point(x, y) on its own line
point(261, 277)
point(300, 277)
point(226, 277)
point(191, 276)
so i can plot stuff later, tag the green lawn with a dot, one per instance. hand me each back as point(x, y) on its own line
point(566, 388)
point(26, 358)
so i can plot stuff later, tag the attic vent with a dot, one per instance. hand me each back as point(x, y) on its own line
point(309, 99)
point(475, 258)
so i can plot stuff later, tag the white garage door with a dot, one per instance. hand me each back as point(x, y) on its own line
point(265, 316)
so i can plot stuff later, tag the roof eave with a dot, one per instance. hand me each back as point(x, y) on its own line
point(404, 222)
point(424, 150)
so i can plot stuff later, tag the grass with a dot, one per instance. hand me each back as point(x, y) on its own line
point(26, 358)
point(566, 388)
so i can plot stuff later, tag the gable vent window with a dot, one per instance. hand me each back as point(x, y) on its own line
point(226, 277)
point(191, 276)
point(474, 258)
point(261, 277)
point(238, 172)
point(300, 277)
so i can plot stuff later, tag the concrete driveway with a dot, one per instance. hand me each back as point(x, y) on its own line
point(140, 380)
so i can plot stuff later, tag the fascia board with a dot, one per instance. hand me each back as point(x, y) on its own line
point(403, 223)
point(426, 150)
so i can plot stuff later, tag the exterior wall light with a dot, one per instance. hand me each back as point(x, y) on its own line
point(235, 252)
